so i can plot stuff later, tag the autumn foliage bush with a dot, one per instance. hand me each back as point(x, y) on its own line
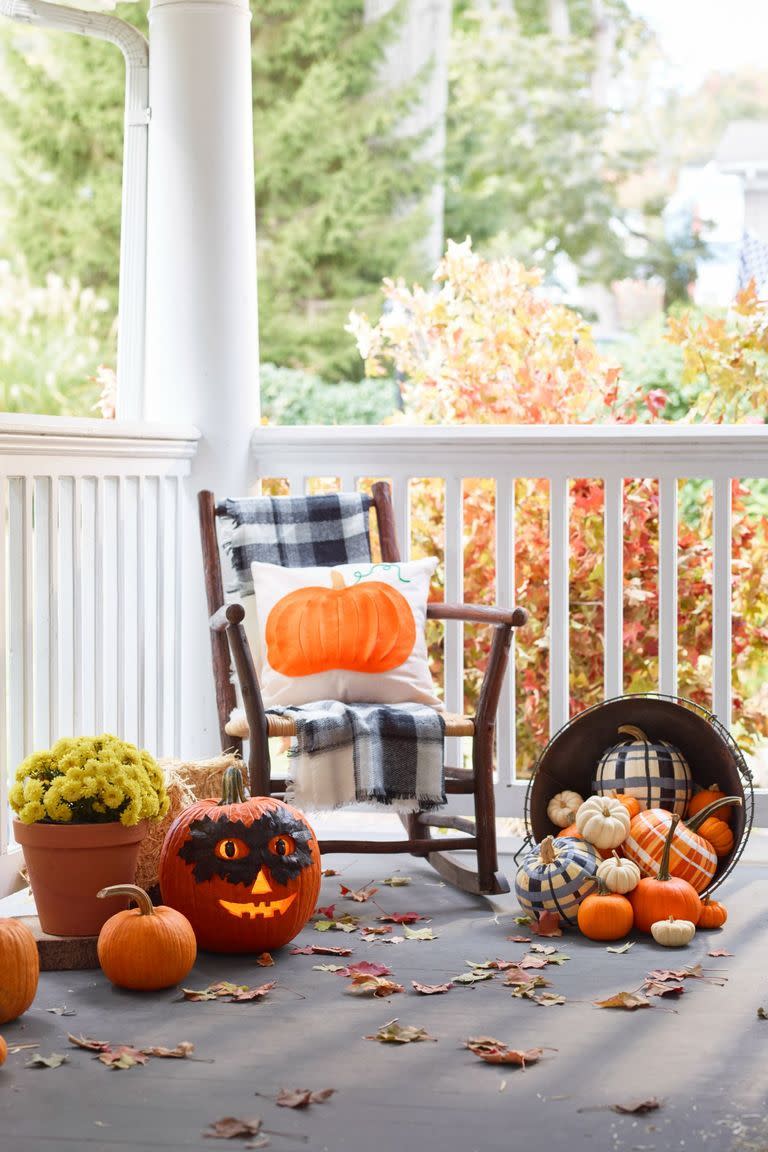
point(486, 346)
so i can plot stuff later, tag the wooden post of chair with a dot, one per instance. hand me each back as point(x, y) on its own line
point(226, 698)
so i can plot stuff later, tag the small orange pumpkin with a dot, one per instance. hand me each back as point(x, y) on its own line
point(719, 835)
point(605, 915)
point(631, 803)
point(713, 914)
point(145, 948)
point(245, 871)
point(706, 796)
point(19, 969)
point(368, 627)
point(3, 1051)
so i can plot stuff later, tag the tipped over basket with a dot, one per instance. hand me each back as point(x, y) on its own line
point(570, 759)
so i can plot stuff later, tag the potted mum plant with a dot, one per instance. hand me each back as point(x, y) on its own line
point(82, 809)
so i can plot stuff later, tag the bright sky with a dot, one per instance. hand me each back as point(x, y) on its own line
point(701, 36)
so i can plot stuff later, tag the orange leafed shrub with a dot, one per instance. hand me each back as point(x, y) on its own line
point(485, 346)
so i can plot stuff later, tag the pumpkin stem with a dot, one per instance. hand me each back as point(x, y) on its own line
point(664, 864)
point(547, 851)
point(136, 894)
point(697, 820)
point(337, 580)
point(631, 730)
point(602, 888)
point(232, 790)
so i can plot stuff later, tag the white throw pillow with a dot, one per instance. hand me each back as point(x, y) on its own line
point(351, 633)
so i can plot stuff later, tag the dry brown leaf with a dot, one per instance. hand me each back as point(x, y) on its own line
point(379, 986)
point(494, 1052)
point(329, 872)
point(372, 930)
point(402, 918)
point(637, 1107)
point(397, 881)
point(63, 1010)
point(473, 977)
point(88, 1043)
point(321, 950)
point(224, 990)
point(693, 971)
point(762, 1014)
point(548, 999)
point(431, 989)
point(302, 1097)
point(122, 1056)
point(658, 988)
point(367, 968)
point(548, 924)
point(230, 1127)
point(543, 949)
point(534, 962)
point(714, 952)
point(360, 896)
point(629, 1001)
point(519, 939)
point(55, 1060)
point(494, 965)
point(328, 912)
point(245, 994)
point(180, 1052)
point(395, 1033)
point(419, 933)
point(517, 975)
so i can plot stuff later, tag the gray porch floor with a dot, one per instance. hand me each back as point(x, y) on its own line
point(703, 1055)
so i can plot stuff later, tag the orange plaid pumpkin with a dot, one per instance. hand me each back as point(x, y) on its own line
point(692, 858)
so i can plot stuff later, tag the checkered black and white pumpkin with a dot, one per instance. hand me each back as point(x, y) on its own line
point(653, 771)
point(555, 876)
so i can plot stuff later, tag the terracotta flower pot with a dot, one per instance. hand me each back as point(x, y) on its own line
point(69, 863)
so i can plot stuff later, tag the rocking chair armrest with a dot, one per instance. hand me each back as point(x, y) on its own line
point(227, 614)
point(478, 614)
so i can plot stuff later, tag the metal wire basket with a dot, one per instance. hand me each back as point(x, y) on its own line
point(571, 757)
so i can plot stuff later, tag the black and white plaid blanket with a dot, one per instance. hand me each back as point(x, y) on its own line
point(296, 532)
point(388, 754)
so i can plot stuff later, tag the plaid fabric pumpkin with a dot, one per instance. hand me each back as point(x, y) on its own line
point(691, 858)
point(555, 876)
point(653, 771)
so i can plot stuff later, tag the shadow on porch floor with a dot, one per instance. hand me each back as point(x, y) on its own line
point(701, 1055)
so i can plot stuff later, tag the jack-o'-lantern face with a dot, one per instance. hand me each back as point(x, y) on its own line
point(245, 872)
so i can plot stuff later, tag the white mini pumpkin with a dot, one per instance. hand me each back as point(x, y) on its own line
point(673, 933)
point(603, 821)
point(619, 874)
point(563, 807)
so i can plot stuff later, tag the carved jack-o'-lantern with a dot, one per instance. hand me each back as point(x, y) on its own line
point(368, 627)
point(245, 872)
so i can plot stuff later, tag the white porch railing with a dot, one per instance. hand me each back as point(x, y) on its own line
point(557, 454)
point(90, 548)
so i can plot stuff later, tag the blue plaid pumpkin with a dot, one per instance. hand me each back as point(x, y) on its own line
point(653, 771)
point(555, 876)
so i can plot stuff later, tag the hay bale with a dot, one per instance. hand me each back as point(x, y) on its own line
point(186, 782)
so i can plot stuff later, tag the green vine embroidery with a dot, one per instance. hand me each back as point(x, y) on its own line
point(362, 575)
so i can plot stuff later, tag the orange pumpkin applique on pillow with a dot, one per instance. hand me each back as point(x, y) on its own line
point(363, 627)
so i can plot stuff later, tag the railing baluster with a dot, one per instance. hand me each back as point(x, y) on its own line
point(558, 603)
point(297, 483)
point(99, 622)
point(53, 618)
point(401, 504)
point(160, 575)
point(721, 601)
point(178, 520)
point(141, 650)
point(77, 607)
point(613, 675)
point(4, 711)
point(28, 612)
point(506, 733)
point(453, 642)
point(668, 585)
point(120, 593)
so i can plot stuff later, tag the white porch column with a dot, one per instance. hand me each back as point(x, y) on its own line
point(202, 334)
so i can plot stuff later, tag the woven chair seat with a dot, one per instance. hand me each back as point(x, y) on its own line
point(455, 725)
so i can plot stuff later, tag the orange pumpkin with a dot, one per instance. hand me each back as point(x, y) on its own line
point(3, 1051)
point(706, 796)
point(145, 948)
point(605, 915)
point(244, 871)
point(719, 835)
point(659, 897)
point(713, 915)
point(367, 627)
point(692, 856)
point(19, 969)
point(631, 803)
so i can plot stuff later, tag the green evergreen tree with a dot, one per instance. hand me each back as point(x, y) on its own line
point(333, 176)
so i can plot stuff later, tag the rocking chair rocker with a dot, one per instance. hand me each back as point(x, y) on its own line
point(228, 635)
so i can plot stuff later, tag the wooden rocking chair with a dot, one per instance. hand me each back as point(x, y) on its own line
point(228, 635)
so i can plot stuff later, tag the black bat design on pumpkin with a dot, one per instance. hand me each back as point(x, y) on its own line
point(268, 842)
